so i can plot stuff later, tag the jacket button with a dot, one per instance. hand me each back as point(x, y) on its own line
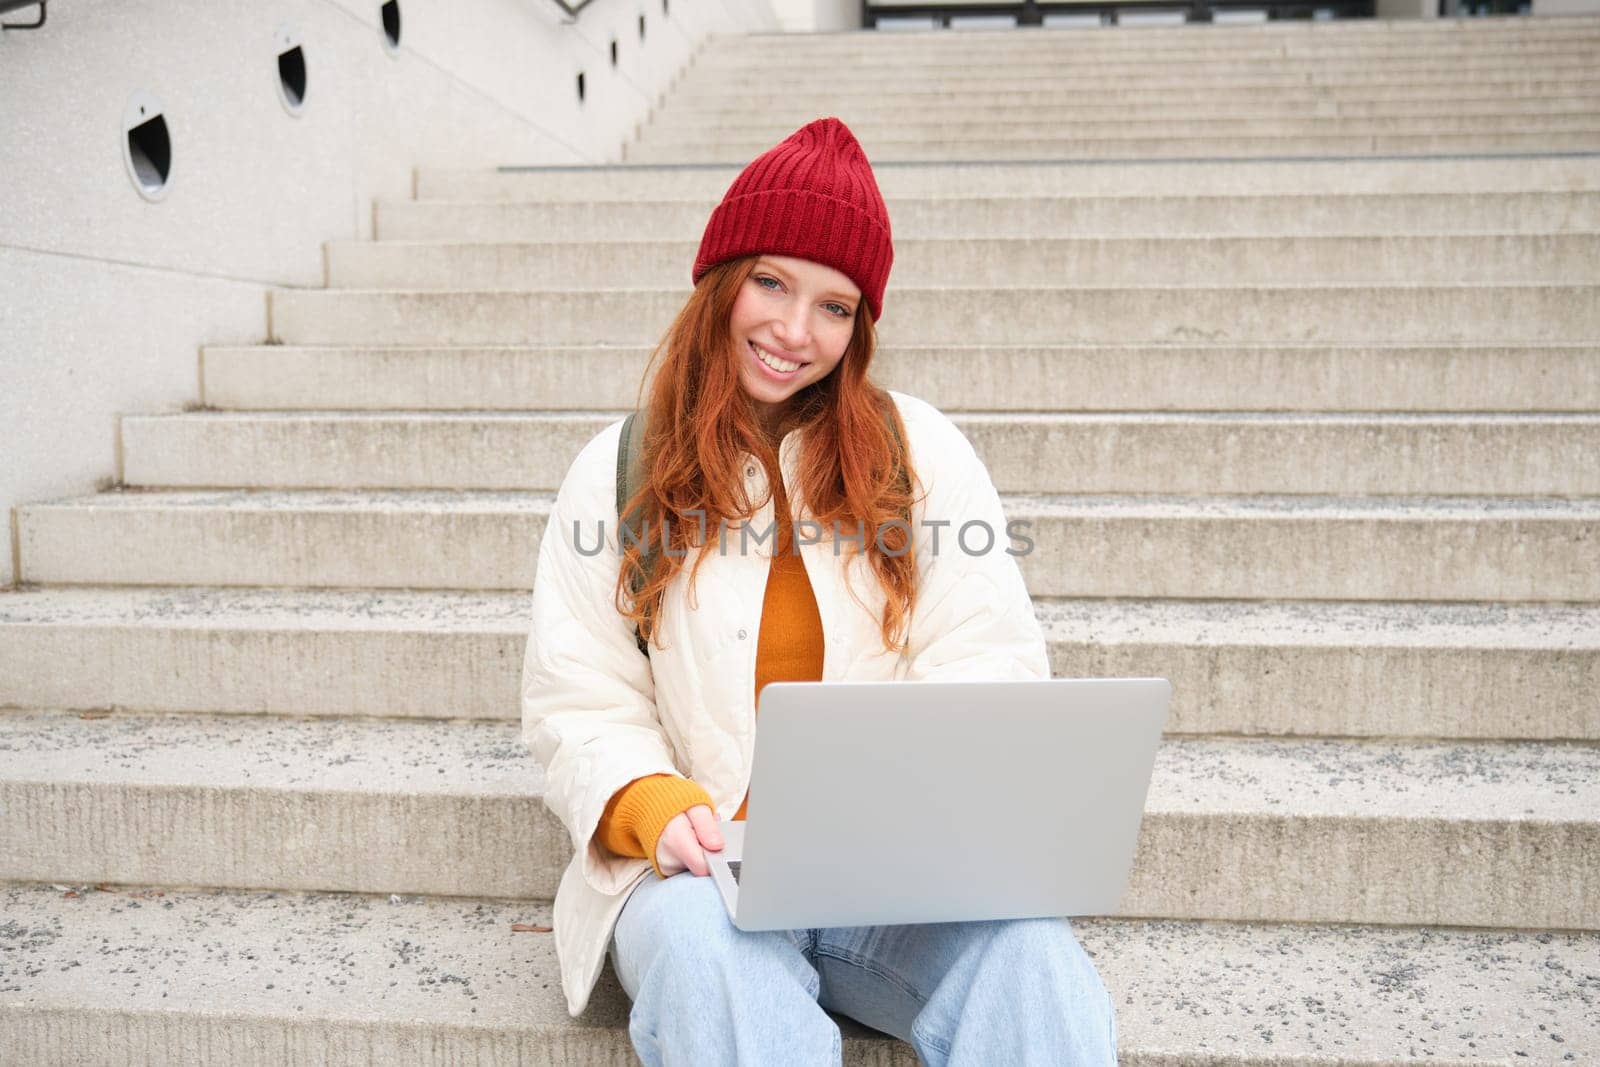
point(742, 635)
point(750, 472)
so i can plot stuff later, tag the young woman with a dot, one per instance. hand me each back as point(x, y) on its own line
point(762, 414)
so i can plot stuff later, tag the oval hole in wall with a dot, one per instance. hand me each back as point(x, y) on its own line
point(641, 27)
point(291, 69)
point(580, 86)
point(146, 145)
point(664, 7)
point(292, 77)
point(613, 53)
point(390, 13)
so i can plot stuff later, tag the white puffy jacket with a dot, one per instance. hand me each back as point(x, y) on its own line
point(597, 713)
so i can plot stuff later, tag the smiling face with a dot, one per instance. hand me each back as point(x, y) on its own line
point(794, 313)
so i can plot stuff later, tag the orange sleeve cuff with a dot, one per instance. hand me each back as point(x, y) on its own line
point(638, 812)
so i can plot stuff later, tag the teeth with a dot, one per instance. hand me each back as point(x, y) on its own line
point(779, 365)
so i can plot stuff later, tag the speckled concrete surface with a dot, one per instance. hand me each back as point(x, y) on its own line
point(1064, 178)
point(1317, 61)
point(1230, 993)
point(302, 652)
point(1038, 452)
point(286, 610)
point(348, 979)
point(1548, 782)
point(1346, 548)
point(1345, 669)
point(437, 757)
point(1388, 508)
point(1568, 628)
point(1268, 547)
point(1177, 144)
point(1118, 377)
point(430, 501)
point(1096, 117)
point(486, 502)
point(415, 540)
point(362, 804)
point(275, 977)
point(1026, 314)
point(1061, 254)
point(1238, 667)
point(996, 214)
point(1469, 833)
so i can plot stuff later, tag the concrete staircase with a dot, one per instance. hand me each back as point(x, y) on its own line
point(1315, 438)
point(1281, 89)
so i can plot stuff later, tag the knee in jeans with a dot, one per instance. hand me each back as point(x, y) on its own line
point(658, 899)
point(1032, 936)
point(685, 919)
point(1047, 942)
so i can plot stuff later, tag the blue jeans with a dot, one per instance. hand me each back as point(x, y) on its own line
point(704, 992)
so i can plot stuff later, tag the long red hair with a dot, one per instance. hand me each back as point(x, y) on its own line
point(700, 423)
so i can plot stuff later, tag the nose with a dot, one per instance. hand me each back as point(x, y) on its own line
point(790, 328)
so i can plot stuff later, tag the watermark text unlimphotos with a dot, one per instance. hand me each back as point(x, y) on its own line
point(975, 537)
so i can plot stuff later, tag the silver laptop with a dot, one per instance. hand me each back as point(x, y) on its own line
point(881, 803)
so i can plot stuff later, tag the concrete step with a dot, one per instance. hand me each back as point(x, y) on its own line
point(1453, 833)
point(1111, 42)
point(1544, 378)
point(306, 652)
point(1136, 452)
point(1199, 217)
point(1432, 259)
point(1224, 76)
point(1304, 668)
point(1292, 32)
point(1386, 314)
point(884, 129)
point(1205, 218)
point(98, 972)
point(1314, 548)
point(1066, 80)
point(1408, 90)
point(738, 54)
point(379, 805)
point(1026, 128)
point(959, 180)
point(801, 64)
point(1534, 137)
point(1286, 36)
point(866, 111)
point(1055, 51)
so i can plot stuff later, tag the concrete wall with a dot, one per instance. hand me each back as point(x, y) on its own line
point(106, 296)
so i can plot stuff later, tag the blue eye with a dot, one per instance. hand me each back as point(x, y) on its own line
point(840, 310)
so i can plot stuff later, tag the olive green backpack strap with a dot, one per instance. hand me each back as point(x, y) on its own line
point(630, 446)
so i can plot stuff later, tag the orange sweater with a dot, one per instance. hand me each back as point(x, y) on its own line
point(789, 650)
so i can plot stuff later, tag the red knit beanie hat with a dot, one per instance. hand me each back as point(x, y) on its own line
point(811, 196)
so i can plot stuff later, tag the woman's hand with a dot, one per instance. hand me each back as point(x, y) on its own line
point(680, 845)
